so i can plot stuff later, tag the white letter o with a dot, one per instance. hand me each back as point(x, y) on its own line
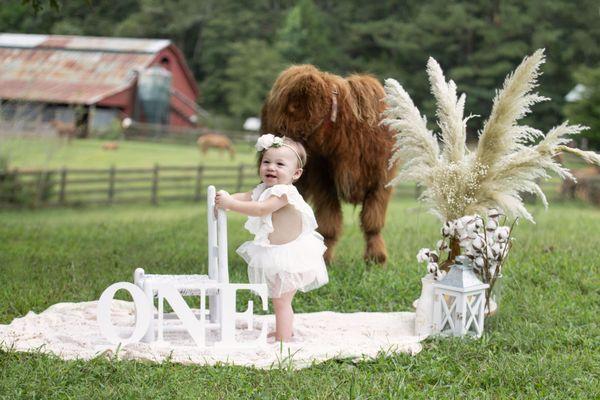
point(143, 313)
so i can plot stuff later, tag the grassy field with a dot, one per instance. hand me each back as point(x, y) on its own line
point(544, 343)
point(51, 153)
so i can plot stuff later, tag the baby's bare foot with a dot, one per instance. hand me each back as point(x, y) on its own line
point(284, 340)
point(273, 337)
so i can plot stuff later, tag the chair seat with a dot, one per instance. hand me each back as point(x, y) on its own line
point(185, 284)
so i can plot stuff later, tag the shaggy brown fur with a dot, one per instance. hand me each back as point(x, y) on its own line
point(216, 141)
point(337, 120)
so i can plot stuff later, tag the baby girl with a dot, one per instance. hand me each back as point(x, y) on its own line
point(287, 252)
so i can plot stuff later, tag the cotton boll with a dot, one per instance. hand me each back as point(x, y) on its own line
point(466, 244)
point(469, 251)
point(502, 233)
point(441, 245)
point(496, 250)
point(491, 225)
point(464, 220)
point(432, 268)
point(447, 229)
point(423, 255)
point(470, 223)
point(478, 223)
point(479, 262)
point(464, 235)
point(489, 238)
point(502, 247)
point(478, 243)
point(493, 213)
point(458, 226)
point(467, 220)
point(433, 257)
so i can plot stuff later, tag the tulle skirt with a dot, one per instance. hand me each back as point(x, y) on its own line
point(297, 265)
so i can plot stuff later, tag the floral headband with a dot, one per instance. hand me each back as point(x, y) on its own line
point(269, 140)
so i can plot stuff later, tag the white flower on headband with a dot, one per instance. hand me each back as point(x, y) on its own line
point(267, 141)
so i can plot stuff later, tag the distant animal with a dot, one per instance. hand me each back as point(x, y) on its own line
point(586, 187)
point(215, 141)
point(591, 190)
point(110, 146)
point(64, 130)
point(337, 120)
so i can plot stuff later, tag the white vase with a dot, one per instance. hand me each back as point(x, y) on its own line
point(492, 308)
point(424, 312)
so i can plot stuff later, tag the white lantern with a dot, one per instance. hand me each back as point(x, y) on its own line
point(459, 301)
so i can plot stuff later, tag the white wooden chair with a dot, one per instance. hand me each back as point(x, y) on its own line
point(214, 285)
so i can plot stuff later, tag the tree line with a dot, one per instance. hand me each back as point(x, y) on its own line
point(236, 49)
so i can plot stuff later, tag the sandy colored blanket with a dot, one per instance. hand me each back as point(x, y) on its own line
point(70, 331)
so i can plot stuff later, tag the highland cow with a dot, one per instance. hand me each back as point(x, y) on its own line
point(337, 120)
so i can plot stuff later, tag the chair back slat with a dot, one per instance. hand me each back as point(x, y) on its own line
point(222, 247)
point(213, 269)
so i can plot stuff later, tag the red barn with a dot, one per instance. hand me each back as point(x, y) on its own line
point(102, 78)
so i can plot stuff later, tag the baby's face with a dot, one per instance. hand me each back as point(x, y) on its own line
point(279, 166)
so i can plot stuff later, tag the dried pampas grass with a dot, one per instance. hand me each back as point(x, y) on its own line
point(505, 164)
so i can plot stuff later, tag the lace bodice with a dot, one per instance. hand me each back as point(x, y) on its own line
point(261, 227)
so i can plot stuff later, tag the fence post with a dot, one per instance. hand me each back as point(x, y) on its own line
point(154, 199)
point(15, 183)
point(111, 184)
point(198, 191)
point(42, 185)
point(39, 190)
point(63, 186)
point(240, 179)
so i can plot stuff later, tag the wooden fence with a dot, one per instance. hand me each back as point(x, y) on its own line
point(68, 187)
point(74, 187)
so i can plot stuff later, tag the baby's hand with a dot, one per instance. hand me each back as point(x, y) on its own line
point(222, 200)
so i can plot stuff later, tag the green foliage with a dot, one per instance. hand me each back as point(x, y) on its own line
point(542, 344)
point(16, 191)
point(476, 42)
point(37, 5)
point(586, 111)
point(252, 69)
point(305, 37)
point(227, 25)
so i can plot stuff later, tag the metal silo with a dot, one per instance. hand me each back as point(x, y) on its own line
point(154, 93)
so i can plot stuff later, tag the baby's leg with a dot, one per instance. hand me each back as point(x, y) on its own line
point(284, 316)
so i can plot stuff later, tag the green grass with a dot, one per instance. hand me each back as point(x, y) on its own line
point(544, 343)
point(53, 153)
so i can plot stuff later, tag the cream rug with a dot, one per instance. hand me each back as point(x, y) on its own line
point(70, 331)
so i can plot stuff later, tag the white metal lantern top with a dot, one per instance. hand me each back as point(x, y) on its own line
point(461, 277)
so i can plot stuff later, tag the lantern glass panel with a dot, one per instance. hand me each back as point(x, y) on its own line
point(448, 311)
point(473, 310)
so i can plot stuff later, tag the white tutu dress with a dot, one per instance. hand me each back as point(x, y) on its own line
point(296, 265)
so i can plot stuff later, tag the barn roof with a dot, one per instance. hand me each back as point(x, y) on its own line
point(74, 69)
